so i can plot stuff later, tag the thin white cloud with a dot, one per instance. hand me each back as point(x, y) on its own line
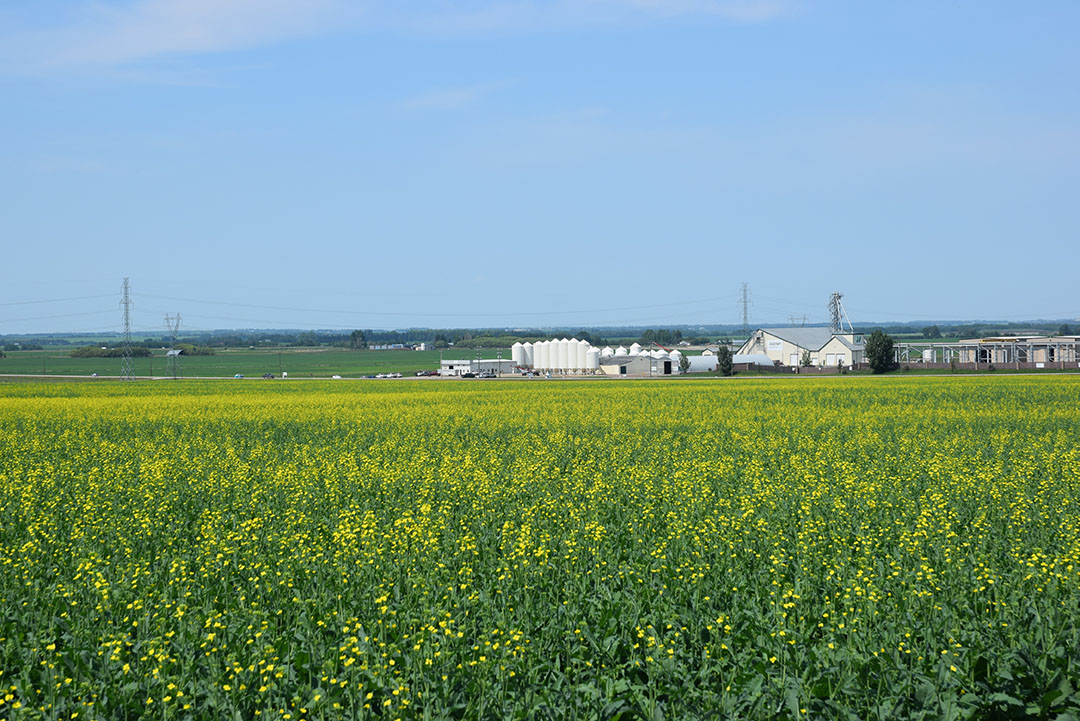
point(744, 10)
point(482, 16)
point(104, 35)
point(451, 98)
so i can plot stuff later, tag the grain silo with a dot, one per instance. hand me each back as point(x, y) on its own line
point(527, 347)
point(517, 353)
point(592, 359)
point(561, 348)
point(572, 347)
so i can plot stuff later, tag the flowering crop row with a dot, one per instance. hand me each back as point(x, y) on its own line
point(863, 548)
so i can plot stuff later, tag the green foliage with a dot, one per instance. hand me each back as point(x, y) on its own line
point(661, 336)
point(879, 352)
point(805, 361)
point(194, 350)
point(357, 340)
point(684, 363)
point(724, 361)
point(306, 339)
point(93, 351)
point(1065, 329)
point(931, 331)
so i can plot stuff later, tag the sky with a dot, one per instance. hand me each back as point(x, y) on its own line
point(524, 163)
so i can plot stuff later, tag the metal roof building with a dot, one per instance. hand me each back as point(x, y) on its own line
point(827, 348)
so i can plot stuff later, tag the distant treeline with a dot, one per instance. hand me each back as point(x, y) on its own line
point(137, 351)
point(93, 351)
point(503, 337)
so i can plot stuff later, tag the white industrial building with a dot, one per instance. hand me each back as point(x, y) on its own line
point(646, 363)
point(482, 365)
point(786, 346)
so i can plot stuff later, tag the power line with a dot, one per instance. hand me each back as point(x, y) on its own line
point(172, 325)
point(62, 315)
point(745, 309)
point(56, 300)
point(127, 363)
point(436, 315)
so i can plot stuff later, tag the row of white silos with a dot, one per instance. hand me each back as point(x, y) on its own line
point(565, 354)
point(637, 350)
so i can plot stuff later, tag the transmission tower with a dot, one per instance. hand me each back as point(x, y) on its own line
point(797, 321)
point(745, 309)
point(172, 325)
point(127, 361)
point(837, 314)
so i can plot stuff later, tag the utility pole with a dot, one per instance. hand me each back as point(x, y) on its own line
point(127, 362)
point(745, 309)
point(797, 321)
point(172, 325)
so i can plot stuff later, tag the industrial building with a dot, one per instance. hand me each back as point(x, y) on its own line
point(482, 365)
point(828, 348)
point(1028, 351)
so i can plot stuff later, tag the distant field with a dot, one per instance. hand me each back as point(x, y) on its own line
point(297, 362)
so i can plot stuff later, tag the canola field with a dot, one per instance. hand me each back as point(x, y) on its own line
point(855, 548)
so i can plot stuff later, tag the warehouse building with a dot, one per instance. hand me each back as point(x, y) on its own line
point(638, 365)
point(486, 365)
point(786, 346)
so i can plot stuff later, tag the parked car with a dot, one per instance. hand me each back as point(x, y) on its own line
point(238, 375)
point(337, 378)
point(268, 376)
point(485, 374)
point(468, 374)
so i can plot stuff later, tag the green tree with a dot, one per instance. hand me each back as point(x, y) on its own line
point(879, 352)
point(805, 361)
point(357, 340)
point(931, 331)
point(684, 364)
point(724, 361)
point(1064, 329)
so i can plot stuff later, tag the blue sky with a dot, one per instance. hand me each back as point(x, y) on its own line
point(318, 163)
